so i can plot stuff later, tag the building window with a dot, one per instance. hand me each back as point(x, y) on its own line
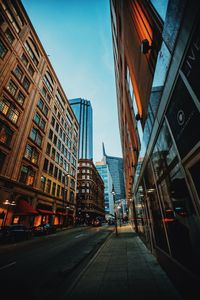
point(9, 110)
point(45, 110)
point(53, 153)
point(26, 83)
point(65, 165)
point(42, 183)
point(57, 127)
point(54, 189)
point(46, 164)
point(31, 154)
point(1, 20)
point(57, 157)
point(12, 88)
point(59, 144)
point(27, 175)
point(43, 107)
point(61, 161)
point(36, 136)
point(2, 159)
point(48, 187)
point(20, 98)
point(44, 92)
point(18, 72)
point(48, 149)
point(55, 140)
point(56, 172)
point(5, 134)
point(39, 121)
point(48, 84)
point(52, 121)
point(3, 50)
point(60, 175)
point(42, 124)
point(9, 36)
point(24, 59)
point(31, 70)
point(51, 169)
point(11, 17)
point(58, 191)
point(50, 134)
point(30, 52)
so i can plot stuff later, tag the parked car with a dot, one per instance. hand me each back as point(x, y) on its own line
point(16, 232)
point(96, 223)
point(111, 221)
point(44, 229)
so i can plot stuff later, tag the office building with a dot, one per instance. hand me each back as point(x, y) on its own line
point(116, 169)
point(103, 170)
point(83, 111)
point(156, 55)
point(38, 129)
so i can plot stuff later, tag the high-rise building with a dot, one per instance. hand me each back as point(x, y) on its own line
point(116, 169)
point(38, 129)
point(83, 111)
point(103, 170)
point(156, 55)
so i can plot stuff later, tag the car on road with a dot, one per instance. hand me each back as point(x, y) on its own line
point(16, 232)
point(97, 223)
point(111, 221)
point(44, 229)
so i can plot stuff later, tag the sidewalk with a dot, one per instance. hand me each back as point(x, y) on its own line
point(123, 269)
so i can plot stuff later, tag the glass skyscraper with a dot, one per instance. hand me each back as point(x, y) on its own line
point(83, 111)
point(115, 165)
point(103, 170)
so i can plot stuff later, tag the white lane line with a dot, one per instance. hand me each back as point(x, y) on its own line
point(8, 265)
point(78, 236)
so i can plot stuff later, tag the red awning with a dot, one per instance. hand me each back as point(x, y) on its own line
point(24, 209)
point(61, 213)
point(46, 212)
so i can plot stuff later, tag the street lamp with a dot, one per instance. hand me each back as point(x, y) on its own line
point(113, 192)
point(8, 203)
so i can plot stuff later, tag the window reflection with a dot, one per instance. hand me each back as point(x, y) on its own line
point(164, 152)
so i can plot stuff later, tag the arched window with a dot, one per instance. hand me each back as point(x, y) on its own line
point(32, 50)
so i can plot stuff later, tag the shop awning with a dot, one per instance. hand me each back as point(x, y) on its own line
point(45, 212)
point(61, 213)
point(24, 209)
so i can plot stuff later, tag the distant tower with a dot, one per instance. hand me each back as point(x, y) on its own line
point(83, 111)
point(116, 168)
point(103, 170)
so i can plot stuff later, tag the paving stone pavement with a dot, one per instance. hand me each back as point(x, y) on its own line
point(123, 267)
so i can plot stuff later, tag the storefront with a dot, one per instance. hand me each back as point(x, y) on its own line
point(167, 191)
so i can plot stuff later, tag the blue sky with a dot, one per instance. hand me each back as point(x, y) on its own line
point(76, 34)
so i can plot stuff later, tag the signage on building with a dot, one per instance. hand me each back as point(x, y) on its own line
point(183, 117)
point(191, 66)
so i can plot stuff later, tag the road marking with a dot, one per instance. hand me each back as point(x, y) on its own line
point(8, 265)
point(78, 236)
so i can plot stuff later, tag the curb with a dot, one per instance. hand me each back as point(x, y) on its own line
point(73, 285)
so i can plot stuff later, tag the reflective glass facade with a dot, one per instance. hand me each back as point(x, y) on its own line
point(83, 111)
point(116, 168)
point(165, 195)
point(103, 170)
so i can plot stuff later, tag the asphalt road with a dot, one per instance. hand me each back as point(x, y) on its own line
point(45, 267)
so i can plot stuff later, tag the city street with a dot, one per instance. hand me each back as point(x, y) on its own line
point(45, 266)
